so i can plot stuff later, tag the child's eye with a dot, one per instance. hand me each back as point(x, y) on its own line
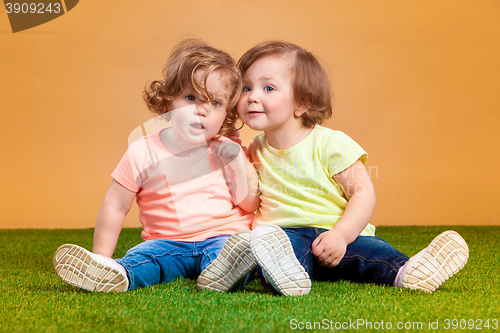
point(217, 103)
point(269, 88)
point(246, 89)
point(191, 98)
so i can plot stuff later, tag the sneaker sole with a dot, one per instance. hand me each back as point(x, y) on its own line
point(75, 266)
point(273, 252)
point(231, 266)
point(445, 256)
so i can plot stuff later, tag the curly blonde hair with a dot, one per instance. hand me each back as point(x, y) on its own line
point(185, 59)
point(310, 83)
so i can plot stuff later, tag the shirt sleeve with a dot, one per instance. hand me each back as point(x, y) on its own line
point(342, 152)
point(129, 171)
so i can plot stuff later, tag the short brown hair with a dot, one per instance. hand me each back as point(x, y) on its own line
point(179, 73)
point(310, 83)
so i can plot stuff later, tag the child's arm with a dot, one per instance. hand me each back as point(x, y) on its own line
point(245, 186)
point(117, 203)
point(330, 247)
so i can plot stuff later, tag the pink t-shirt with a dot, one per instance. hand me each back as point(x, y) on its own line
point(180, 198)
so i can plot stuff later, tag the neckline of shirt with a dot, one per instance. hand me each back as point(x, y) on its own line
point(283, 152)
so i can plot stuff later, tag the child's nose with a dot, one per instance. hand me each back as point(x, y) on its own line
point(252, 96)
point(201, 110)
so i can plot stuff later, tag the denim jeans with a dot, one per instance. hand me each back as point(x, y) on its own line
point(367, 259)
point(156, 261)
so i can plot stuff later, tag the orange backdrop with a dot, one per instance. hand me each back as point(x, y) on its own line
point(417, 84)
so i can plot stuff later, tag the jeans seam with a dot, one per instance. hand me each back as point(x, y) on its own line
point(396, 269)
point(195, 249)
point(393, 268)
point(305, 254)
point(150, 257)
point(208, 254)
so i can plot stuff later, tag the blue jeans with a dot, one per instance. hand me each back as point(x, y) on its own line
point(156, 261)
point(367, 259)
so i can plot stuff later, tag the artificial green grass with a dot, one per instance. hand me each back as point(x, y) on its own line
point(32, 298)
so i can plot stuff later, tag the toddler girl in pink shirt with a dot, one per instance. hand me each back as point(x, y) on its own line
point(194, 187)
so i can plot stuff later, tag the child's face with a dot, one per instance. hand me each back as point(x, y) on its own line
point(195, 121)
point(266, 103)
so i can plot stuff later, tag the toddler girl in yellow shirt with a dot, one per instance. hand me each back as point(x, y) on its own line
point(317, 197)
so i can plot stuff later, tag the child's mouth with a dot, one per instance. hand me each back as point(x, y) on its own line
point(255, 112)
point(196, 128)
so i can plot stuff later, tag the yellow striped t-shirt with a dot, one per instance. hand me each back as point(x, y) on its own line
point(297, 185)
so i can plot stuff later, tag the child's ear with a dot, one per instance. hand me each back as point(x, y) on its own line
point(301, 109)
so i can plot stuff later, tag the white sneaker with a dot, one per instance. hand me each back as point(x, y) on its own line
point(273, 252)
point(231, 266)
point(93, 272)
point(445, 256)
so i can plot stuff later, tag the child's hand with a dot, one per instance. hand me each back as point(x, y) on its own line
point(329, 248)
point(228, 151)
point(239, 174)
